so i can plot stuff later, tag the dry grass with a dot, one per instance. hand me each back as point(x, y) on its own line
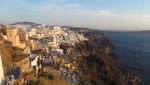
point(54, 80)
point(50, 77)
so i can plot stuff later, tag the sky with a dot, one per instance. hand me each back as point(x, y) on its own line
point(98, 14)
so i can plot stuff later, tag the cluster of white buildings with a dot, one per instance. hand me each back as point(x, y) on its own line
point(40, 37)
point(51, 39)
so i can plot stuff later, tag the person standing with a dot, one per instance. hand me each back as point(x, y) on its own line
point(34, 64)
point(10, 80)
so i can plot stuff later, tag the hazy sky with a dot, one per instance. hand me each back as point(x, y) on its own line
point(103, 14)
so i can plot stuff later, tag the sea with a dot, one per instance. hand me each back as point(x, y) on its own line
point(133, 51)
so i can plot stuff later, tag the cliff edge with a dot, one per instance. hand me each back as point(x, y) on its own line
point(79, 56)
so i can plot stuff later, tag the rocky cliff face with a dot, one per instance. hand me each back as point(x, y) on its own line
point(15, 35)
point(82, 56)
point(92, 62)
point(6, 53)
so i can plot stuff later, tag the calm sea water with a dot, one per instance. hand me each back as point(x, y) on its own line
point(133, 50)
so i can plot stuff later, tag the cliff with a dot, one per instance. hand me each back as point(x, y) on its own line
point(15, 35)
point(79, 56)
point(6, 53)
point(93, 62)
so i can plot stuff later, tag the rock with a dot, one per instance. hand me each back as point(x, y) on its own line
point(5, 61)
point(14, 34)
point(94, 62)
point(82, 57)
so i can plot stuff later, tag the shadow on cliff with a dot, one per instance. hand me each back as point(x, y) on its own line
point(97, 63)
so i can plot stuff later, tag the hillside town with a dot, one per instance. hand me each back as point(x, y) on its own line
point(29, 54)
point(41, 45)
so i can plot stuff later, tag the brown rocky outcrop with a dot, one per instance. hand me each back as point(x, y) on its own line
point(6, 53)
point(15, 35)
point(93, 62)
point(87, 58)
